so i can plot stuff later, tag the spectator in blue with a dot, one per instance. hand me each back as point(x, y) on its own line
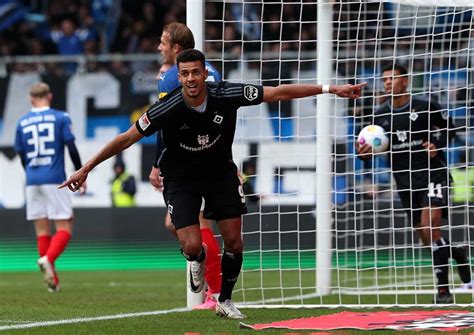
point(69, 40)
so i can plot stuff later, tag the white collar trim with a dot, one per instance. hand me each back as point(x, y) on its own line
point(40, 109)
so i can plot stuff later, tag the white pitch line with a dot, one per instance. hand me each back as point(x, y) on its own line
point(98, 318)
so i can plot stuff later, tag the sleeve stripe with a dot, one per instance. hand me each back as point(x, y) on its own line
point(164, 107)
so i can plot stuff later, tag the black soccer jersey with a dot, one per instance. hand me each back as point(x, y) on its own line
point(409, 127)
point(199, 143)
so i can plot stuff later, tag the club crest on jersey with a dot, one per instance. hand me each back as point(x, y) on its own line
point(218, 119)
point(203, 139)
point(413, 116)
point(144, 122)
point(250, 92)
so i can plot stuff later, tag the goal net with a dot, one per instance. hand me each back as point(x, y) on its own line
point(325, 228)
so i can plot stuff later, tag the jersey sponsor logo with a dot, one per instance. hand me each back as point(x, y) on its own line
point(143, 122)
point(250, 92)
point(218, 119)
point(203, 139)
point(402, 135)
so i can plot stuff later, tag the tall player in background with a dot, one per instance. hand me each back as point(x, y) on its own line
point(175, 38)
point(41, 135)
point(420, 131)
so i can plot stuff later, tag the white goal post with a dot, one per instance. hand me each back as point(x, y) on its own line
point(330, 230)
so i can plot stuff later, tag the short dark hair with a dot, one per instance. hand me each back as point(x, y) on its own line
point(395, 66)
point(180, 34)
point(190, 55)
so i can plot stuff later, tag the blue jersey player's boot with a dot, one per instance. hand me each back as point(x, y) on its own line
point(50, 277)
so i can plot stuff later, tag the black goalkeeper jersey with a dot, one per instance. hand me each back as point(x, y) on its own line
point(408, 127)
point(199, 144)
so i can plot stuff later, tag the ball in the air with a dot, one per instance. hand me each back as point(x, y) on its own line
point(374, 136)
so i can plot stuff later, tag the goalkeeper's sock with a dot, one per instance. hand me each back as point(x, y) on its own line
point(58, 243)
point(43, 242)
point(231, 265)
point(441, 253)
point(459, 254)
point(213, 261)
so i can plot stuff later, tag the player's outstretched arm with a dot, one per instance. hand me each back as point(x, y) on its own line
point(118, 144)
point(295, 91)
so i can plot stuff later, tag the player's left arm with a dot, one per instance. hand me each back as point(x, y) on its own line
point(118, 144)
point(295, 91)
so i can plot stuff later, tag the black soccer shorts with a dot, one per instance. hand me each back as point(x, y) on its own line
point(435, 195)
point(224, 199)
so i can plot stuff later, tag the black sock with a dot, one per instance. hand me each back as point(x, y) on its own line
point(231, 265)
point(199, 257)
point(441, 253)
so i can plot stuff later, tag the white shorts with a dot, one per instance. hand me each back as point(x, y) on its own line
point(47, 201)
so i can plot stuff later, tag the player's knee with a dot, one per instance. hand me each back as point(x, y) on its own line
point(234, 246)
point(191, 249)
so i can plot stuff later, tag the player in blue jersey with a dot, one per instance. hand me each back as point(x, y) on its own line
point(41, 136)
point(175, 38)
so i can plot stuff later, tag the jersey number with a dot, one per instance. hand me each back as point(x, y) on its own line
point(435, 191)
point(41, 134)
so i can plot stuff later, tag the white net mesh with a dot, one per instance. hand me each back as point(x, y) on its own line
point(376, 256)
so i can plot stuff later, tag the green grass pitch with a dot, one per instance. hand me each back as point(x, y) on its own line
point(112, 279)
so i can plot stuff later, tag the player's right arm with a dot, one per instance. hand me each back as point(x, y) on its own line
point(118, 144)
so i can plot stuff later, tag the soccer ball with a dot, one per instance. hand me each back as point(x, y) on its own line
point(374, 136)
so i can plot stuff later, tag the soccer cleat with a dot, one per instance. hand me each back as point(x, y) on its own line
point(209, 302)
point(228, 309)
point(463, 265)
point(49, 275)
point(196, 275)
point(468, 286)
point(443, 297)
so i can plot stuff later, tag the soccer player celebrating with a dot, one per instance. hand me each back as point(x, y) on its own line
point(198, 125)
point(175, 38)
point(41, 136)
point(420, 130)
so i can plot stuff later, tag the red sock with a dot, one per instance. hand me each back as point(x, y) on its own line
point(58, 244)
point(43, 242)
point(213, 261)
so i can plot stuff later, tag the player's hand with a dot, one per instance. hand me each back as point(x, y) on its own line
point(76, 181)
point(431, 147)
point(364, 151)
point(155, 179)
point(83, 188)
point(348, 90)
